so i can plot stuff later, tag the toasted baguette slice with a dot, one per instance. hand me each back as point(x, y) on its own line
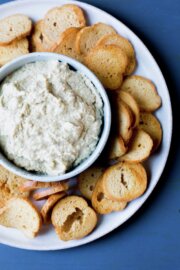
point(43, 194)
point(131, 102)
point(21, 214)
point(88, 179)
point(73, 218)
point(123, 183)
point(125, 45)
point(140, 147)
point(12, 183)
point(48, 205)
point(13, 28)
point(58, 19)
point(88, 37)
point(124, 120)
point(102, 204)
point(144, 92)
point(115, 148)
point(13, 50)
point(39, 42)
point(108, 63)
point(150, 124)
point(66, 44)
point(30, 185)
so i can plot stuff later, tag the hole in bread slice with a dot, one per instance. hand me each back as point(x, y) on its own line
point(100, 197)
point(77, 215)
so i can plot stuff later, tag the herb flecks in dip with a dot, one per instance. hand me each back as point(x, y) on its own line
point(50, 117)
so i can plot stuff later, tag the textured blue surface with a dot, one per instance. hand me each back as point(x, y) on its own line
point(150, 240)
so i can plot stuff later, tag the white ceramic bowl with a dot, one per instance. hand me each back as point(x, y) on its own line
point(33, 57)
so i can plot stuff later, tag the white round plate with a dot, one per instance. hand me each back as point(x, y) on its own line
point(47, 240)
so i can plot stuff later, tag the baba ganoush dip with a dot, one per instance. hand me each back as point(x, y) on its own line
point(50, 117)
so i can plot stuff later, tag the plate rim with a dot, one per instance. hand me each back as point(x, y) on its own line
point(148, 193)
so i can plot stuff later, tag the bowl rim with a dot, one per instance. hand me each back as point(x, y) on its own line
point(45, 56)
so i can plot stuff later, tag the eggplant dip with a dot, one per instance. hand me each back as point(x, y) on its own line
point(50, 117)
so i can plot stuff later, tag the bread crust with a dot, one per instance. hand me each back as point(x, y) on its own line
point(89, 36)
point(42, 194)
point(73, 218)
point(150, 124)
point(6, 220)
point(77, 11)
point(123, 183)
point(108, 63)
point(131, 102)
point(102, 204)
point(48, 205)
point(13, 50)
point(20, 35)
point(10, 185)
point(143, 91)
point(38, 42)
point(88, 179)
point(66, 43)
point(125, 45)
point(30, 185)
point(124, 120)
point(115, 148)
point(140, 147)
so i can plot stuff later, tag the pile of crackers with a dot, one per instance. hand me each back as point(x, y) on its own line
point(64, 30)
point(119, 176)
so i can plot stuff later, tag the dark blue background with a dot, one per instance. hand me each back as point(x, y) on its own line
point(150, 240)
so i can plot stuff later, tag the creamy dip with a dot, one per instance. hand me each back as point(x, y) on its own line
point(50, 117)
